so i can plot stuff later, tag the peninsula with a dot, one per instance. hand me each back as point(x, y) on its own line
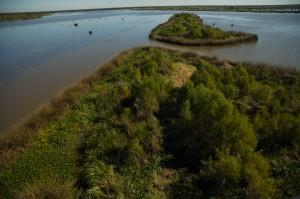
point(157, 123)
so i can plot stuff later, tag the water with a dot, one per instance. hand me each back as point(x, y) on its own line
point(40, 57)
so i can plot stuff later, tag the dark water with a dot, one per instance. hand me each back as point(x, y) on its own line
point(40, 57)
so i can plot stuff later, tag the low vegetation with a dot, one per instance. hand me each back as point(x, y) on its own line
point(189, 29)
point(156, 123)
point(22, 16)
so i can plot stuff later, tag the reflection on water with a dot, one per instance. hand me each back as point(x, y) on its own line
point(40, 57)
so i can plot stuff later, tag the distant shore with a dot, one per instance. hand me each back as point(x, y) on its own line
point(22, 16)
point(294, 8)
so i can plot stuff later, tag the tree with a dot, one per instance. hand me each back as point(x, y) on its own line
point(215, 125)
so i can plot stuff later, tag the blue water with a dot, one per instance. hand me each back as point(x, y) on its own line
point(40, 57)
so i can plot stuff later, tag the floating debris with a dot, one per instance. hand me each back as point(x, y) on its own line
point(122, 18)
point(90, 32)
point(76, 24)
point(231, 25)
point(213, 24)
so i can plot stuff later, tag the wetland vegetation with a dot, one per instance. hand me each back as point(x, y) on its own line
point(156, 123)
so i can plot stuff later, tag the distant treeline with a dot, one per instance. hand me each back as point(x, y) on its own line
point(264, 8)
point(22, 16)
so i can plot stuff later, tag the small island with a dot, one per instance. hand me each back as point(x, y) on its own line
point(189, 29)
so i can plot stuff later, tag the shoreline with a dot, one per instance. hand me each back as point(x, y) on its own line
point(20, 135)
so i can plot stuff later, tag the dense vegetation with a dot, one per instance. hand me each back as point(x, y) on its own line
point(163, 124)
point(22, 16)
point(189, 29)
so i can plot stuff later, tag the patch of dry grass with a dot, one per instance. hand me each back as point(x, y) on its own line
point(181, 74)
point(48, 191)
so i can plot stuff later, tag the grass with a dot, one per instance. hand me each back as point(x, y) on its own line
point(129, 131)
point(51, 190)
point(188, 29)
point(52, 156)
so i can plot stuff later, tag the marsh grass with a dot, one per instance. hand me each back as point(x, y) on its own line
point(51, 190)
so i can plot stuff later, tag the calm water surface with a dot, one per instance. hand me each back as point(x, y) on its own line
point(40, 57)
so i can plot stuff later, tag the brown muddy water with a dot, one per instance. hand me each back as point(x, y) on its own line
point(40, 57)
